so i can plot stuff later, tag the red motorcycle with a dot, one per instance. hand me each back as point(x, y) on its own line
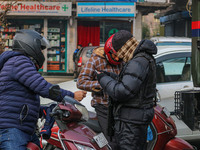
point(164, 131)
point(75, 135)
point(69, 132)
point(73, 132)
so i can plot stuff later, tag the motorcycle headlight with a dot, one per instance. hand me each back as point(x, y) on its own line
point(84, 112)
point(83, 147)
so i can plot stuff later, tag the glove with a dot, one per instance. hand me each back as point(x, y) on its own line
point(111, 74)
point(107, 73)
point(100, 75)
point(97, 91)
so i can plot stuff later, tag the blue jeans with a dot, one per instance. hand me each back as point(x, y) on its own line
point(15, 139)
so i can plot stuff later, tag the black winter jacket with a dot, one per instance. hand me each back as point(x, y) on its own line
point(136, 87)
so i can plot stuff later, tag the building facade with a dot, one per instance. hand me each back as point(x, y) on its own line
point(66, 24)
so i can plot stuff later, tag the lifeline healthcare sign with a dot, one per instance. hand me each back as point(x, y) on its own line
point(34, 8)
point(105, 9)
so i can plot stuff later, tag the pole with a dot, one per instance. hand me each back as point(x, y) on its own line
point(196, 42)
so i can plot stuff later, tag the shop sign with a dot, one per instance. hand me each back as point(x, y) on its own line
point(103, 9)
point(23, 8)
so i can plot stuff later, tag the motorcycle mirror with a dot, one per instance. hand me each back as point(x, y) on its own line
point(54, 91)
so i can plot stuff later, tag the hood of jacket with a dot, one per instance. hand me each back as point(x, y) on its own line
point(146, 46)
point(6, 55)
point(99, 51)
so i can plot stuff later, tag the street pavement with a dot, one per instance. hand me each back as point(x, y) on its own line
point(58, 79)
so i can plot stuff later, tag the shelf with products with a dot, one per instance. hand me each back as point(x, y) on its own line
point(56, 38)
point(8, 34)
point(54, 62)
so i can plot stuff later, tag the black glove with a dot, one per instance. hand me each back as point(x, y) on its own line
point(111, 74)
point(97, 91)
point(100, 75)
point(107, 73)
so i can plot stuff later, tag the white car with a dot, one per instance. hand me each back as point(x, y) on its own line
point(171, 41)
point(173, 71)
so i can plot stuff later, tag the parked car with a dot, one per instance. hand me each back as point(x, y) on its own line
point(82, 57)
point(173, 70)
point(171, 41)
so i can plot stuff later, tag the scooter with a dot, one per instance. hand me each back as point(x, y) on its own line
point(69, 132)
point(163, 130)
point(73, 132)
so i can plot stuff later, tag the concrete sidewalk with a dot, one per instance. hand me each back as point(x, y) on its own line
point(58, 79)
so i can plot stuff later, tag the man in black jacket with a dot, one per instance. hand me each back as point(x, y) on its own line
point(133, 92)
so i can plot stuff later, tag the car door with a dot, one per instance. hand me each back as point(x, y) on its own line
point(173, 73)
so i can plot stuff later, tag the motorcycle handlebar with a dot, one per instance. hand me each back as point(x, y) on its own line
point(57, 112)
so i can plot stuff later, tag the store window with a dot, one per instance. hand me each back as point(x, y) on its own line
point(17, 24)
point(107, 28)
point(56, 56)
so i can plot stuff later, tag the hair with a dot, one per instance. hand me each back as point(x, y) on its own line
point(79, 45)
point(89, 43)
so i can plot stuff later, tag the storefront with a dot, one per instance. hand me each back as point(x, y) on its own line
point(48, 18)
point(97, 21)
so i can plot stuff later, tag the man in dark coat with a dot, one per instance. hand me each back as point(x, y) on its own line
point(133, 92)
point(20, 88)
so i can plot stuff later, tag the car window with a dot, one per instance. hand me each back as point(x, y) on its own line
point(89, 52)
point(173, 70)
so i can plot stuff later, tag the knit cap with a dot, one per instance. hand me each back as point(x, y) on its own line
point(120, 38)
point(125, 44)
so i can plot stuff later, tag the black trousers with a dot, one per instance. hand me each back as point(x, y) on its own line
point(130, 136)
point(102, 112)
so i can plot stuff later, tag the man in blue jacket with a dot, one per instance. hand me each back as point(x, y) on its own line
point(20, 88)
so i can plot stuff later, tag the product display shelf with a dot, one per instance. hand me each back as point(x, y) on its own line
point(8, 35)
point(55, 54)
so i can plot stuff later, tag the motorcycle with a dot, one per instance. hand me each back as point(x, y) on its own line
point(73, 132)
point(162, 126)
point(70, 132)
point(163, 130)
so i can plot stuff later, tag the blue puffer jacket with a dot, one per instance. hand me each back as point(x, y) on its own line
point(20, 88)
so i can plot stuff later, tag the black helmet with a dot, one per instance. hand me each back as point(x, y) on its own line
point(31, 43)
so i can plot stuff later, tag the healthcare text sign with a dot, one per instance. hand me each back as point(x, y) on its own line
point(105, 9)
point(36, 8)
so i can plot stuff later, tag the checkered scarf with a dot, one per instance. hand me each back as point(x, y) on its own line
point(127, 50)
